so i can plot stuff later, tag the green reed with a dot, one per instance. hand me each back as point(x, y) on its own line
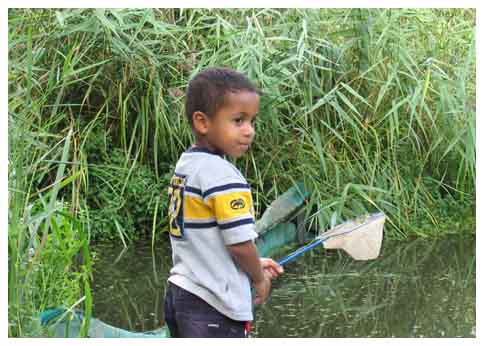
point(49, 263)
point(374, 109)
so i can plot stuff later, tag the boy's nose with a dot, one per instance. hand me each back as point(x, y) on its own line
point(249, 130)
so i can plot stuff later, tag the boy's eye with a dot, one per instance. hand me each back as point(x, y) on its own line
point(238, 120)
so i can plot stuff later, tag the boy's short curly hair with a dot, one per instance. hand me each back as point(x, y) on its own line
point(206, 91)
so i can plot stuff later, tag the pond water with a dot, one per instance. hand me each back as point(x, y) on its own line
point(417, 288)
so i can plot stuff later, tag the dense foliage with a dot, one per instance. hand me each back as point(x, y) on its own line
point(372, 109)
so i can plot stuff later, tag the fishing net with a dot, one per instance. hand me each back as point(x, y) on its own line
point(361, 238)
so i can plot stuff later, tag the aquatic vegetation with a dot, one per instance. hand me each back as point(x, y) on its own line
point(373, 109)
point(48, 255)
point(123, 197)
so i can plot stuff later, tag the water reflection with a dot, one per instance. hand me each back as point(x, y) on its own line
point(128, 287)
point(419, 288)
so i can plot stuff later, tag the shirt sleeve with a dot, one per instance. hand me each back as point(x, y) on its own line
point(231, 202)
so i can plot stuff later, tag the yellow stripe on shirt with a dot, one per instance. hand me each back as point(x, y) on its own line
point(196, 209)
point(231, 205)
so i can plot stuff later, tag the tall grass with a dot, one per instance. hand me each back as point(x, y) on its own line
point(49, 262)
point(372, 109)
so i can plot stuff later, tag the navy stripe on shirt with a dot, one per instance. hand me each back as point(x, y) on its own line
point(200, 224)
point(193, 190)
point(237, 223)
point(199, 192)
point(210, 224)
point(225, 187)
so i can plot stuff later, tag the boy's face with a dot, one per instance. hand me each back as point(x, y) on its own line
point(232, 128)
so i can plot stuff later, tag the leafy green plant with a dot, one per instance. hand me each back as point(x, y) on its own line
point(377, 99)
point(374, 109)
point(123, 197)
point(49, 261)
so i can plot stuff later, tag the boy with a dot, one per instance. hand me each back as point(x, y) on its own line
point(211, 216)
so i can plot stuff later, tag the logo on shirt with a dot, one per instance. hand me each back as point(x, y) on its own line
point(237, 204)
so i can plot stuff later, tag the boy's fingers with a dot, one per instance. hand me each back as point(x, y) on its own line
point(270, 263)
point(270, 272)
point(276, 267)
point(274, 272)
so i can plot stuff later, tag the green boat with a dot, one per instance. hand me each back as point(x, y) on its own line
point(277, 228)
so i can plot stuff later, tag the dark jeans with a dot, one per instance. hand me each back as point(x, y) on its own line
point(188, 316)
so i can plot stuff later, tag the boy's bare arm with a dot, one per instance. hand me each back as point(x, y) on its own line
point(246, 256)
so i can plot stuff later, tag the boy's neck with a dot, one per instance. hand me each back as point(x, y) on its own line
point(203, 144)
point(203, 148)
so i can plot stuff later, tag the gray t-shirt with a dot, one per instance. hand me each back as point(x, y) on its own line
point(210, 208)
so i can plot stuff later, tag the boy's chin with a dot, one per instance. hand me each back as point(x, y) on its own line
point(236, 155)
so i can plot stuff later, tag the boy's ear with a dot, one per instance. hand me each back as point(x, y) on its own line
point(200, 122)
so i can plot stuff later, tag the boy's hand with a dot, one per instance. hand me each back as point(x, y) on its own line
point(271, 271)
point(271, 268)
point(262, 289)
point(260, 270)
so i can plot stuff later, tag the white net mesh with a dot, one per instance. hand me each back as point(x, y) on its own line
point(361, 238)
